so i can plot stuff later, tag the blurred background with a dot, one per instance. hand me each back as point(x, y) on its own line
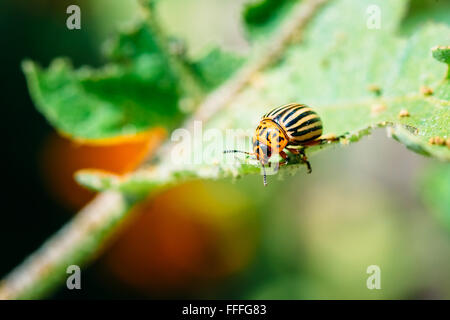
point(303, 237)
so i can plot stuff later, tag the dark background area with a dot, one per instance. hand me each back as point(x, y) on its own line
point(35, 30)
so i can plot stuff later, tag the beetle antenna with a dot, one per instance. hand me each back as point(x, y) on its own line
point(264, 175)
point(237, 151)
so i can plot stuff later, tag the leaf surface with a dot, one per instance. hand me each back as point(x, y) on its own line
point(335, 70)
point(138, 89)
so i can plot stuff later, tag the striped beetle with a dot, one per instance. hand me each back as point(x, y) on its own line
point(288, 126)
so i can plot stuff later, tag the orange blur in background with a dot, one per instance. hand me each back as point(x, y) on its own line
point(62, 157)
point(186, 239)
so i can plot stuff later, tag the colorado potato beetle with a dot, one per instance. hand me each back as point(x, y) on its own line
point(290, 126)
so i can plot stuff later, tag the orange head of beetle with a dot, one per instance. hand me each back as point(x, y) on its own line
point(269, 139)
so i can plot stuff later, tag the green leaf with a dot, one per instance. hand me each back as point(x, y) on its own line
point(101, 103)
point(340, 58)
point(131, 43)
point(135, 91)
point(210, 70)
point(442, 53)
point(420, 12)
point(216, 66)
point(139, 88)
point(331, 70)
point(261, 17)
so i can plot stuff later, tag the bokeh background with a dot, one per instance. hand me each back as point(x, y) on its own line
point(302, 237)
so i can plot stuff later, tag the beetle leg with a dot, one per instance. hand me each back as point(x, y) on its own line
point(305, 160)
point(303, 156)
point(294, 151)
point(285, 158)
point(264, 175)
point(323, 140)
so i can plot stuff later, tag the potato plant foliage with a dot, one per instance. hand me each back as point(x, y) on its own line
point(356, 74)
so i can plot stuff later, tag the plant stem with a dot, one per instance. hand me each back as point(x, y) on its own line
point(74, 244)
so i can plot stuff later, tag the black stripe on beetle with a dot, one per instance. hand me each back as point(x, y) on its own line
point(292, 113)
point(304, 124)
point(305, 132)
point(298, 118)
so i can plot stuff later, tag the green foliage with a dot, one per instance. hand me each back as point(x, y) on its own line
point(332, 70)
point(94, 104)
point(442, 54)
point(420, 12)
point(261, 17)
point(339, 58)
point(138, 89)
point(135, 45)
point(434, 189)
point(216, 66)
point(261, 12)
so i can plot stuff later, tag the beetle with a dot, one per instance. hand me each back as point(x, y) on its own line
point(287, 127)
